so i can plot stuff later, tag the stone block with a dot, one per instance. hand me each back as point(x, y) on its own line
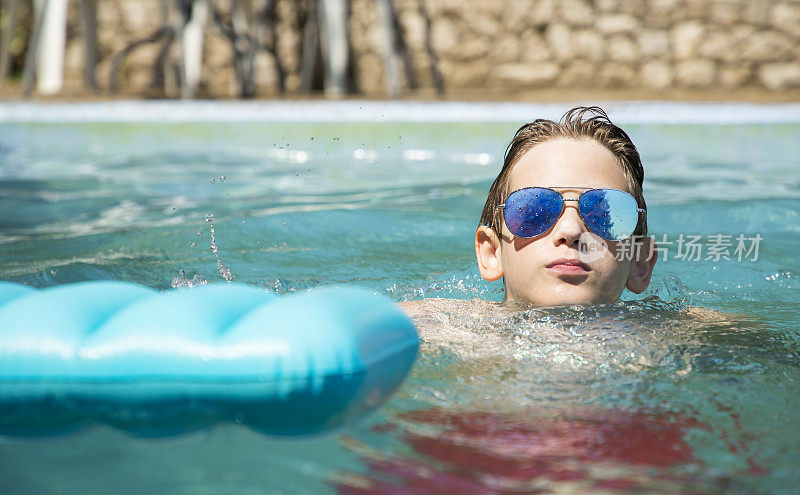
point(288, 47)
point(525, 75)
point(735, 75)
point(636, 8)
point(442, 8)
point(656, 74)
point(696, 9)
point(766, 46)
point(559, 39)
point(616, 23)
point(507, 49)
point(756, 13)
point(140, 16)
point(470, 75)
point(616, 75)
point(541, 13)
point(719, 45)
point(73, 59)
point(143, 57)
point(373, 39)
point(653, 43)
point(534, 48)
point(696, 73)
point(786, 17)
point(370, 74)
point(578, 73)
point(590, 45)
point(686, 38)
point(780, 76)
point(576, 13)
point(482, 25)
point(265, 75)
point(107, 13)
point(621, 48)
point(292, 82)
point(445, 36)
point(413, 26)
point(725, 12)
point(136, 80)
point(514, 15)
point(473, 48)
point(217, 52)
point(660, 13)
point(607, 5)
point(742, 33)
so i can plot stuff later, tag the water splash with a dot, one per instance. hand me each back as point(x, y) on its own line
point(455, 285)
point(223, 270)
point(181, 281)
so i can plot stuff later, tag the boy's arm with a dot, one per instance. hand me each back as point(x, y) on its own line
point(412, 308)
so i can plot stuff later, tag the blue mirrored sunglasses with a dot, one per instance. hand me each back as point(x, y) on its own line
point(610, 213)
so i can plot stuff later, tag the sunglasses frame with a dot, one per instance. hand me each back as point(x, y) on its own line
point(564, 207)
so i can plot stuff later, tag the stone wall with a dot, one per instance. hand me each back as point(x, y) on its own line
point(507, 44)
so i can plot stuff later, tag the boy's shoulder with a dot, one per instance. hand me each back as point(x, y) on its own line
point(457, 324)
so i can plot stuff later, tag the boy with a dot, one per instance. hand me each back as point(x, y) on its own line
point(564, 187)
point(533, 238)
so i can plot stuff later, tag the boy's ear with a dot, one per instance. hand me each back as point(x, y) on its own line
point(642, 268)
point(487, 250)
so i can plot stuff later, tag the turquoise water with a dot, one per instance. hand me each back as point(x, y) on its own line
point(636, 396)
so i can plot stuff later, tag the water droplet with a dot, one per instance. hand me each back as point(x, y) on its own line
point(781, 275)
point(213, 181)
point(784, 278)
point(199, 234)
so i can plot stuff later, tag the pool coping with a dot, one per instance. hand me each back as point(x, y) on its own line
point(178, 111)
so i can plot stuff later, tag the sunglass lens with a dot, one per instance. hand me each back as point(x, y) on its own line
point(609, 213)
point(532, 211)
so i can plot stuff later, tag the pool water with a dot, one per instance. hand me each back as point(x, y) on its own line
point(646, 395)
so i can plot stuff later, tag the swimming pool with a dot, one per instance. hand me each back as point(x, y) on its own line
point(638, 396)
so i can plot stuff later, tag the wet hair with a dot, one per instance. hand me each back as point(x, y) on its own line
point(577, 123)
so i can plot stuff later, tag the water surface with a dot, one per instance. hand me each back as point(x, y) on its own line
point(649, 394)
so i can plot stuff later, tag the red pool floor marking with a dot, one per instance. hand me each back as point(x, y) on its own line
point(482, 452)
point(629, 437)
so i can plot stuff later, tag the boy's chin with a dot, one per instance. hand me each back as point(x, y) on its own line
point(558, 296)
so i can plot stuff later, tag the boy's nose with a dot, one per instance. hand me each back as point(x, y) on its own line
point(569, 227)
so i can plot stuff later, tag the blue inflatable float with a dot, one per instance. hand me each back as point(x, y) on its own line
point(160, 364)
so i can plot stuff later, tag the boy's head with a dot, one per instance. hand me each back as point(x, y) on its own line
point(581, 152)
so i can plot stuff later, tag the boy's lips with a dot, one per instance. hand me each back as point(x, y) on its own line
point(567, 266)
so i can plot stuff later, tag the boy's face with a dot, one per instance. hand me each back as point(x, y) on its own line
point(531, 267)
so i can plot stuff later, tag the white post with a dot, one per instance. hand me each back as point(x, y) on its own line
point(50, 60)
point(333, 27)
point(192, 48)
point(390, 69)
